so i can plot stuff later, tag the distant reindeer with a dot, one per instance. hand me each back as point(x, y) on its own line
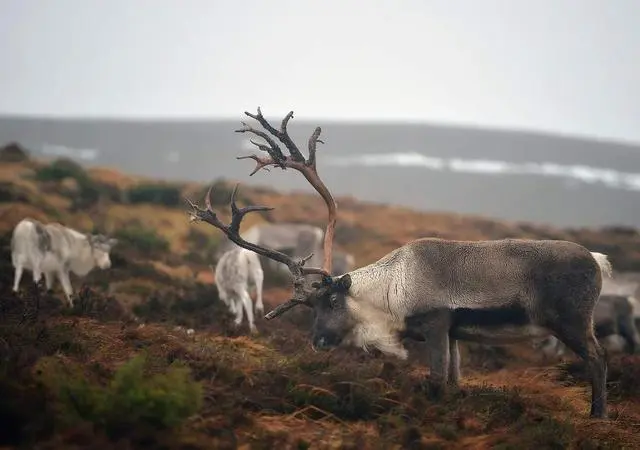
point(627, 284)
point(294, 239)
point(612, 316)
point(234, 271)
point(55, 250)
point(341, 263)
point(445, 290)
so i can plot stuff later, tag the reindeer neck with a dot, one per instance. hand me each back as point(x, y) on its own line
point(369, 285)
point(82, 260)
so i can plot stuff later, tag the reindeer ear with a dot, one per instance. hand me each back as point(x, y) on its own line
point(343, 283)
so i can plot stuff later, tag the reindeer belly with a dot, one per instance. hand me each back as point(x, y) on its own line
point(501, 325)
point(50, 262)
point(505, 334)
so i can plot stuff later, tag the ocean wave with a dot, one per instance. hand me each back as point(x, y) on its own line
point(87, 154)
point(586, 174)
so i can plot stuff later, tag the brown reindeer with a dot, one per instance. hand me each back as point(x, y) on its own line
point(440, 290)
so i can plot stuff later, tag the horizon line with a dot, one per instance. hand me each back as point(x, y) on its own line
point(333, 120)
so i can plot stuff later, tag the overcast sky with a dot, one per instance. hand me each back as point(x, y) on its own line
point(570, 66)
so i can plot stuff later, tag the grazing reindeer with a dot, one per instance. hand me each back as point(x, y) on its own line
point(56, 250)
point(233, 272)
point(445, 290)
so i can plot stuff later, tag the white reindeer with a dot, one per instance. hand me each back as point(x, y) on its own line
point(445, 290)
point(233, 273)
point(55, 250)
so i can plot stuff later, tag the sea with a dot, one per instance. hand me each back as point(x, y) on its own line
point(501, 174)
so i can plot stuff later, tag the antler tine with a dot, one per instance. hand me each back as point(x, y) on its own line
point(283, 308)
point(237, 214)
point(296, 161)
point(282, 134)
point(261, 163)
point(277, 157)
point(313, 141)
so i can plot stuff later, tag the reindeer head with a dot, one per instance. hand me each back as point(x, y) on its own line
point(333, 320)
point(328, 298)
point(101, 245)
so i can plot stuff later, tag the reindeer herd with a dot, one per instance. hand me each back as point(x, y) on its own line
point(437, 290)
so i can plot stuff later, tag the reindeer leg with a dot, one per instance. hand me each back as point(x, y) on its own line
point(454, 362)
point(439, 361)
point(259, 278)
point(37, 274)
point(239, 314)
point(579, 337)
point(48, 278)
point(63, 276)
point(436, 329)
point(248, 307)
point(17, 277)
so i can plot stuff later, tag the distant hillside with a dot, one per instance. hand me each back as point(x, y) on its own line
point(106, 199)
point(503, 174)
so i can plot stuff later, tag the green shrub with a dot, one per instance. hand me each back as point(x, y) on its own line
point(145, 240)
point(164, 194)
point(89, 192)
point(133, 399)
point(60, 169)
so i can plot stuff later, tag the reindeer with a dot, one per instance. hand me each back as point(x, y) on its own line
point(56, 250)
point(444, 290)
point(233, 272)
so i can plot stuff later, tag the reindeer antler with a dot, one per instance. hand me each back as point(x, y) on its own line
point(294, 160)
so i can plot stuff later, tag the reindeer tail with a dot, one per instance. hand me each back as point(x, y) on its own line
point(603, 263)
